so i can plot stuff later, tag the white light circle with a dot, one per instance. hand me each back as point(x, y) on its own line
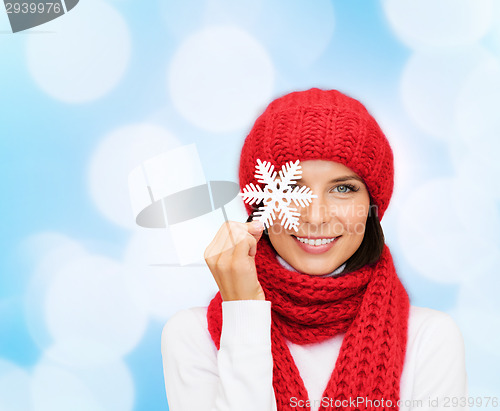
point(477, 105)
point(241, 13)
point(220, 79)
point(478, 125)
point(118, 153)
point(448, 231)
point(85, 57)
point(492, 40)
point(475, 166)
point(75, 303)
point(402, 144)
point(87, 300)
point(55, 387)
point(405, 153)
point(430, 85)
point(80, 352)
point(112, 384)
point(439, 23)
point(49, 251)
point(15, 384)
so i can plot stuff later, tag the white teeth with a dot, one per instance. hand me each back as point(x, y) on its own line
point(319, 241)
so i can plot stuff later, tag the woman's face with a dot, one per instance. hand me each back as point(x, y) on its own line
point(339, 213)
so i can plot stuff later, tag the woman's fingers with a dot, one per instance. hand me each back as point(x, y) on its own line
point(243, 250)
point(231, 233)
point(230, 257)
point(227, 237)
point(219, 244)
point(255, 228)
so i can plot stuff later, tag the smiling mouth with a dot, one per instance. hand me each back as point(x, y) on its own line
point(315, 241)
point(315, 245)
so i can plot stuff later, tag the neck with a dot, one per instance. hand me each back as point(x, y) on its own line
point(289, 267)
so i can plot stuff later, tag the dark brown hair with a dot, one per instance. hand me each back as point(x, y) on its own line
point(371, 247)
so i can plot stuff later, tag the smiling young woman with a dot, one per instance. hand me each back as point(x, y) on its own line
point(314, 319)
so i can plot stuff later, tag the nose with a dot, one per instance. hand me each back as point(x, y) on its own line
point(317, 212)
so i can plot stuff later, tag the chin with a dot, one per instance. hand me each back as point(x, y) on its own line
point(315, 268)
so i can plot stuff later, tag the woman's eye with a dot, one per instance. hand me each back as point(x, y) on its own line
point(344, 188)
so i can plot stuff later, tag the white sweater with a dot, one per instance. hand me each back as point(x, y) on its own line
point(239, 376)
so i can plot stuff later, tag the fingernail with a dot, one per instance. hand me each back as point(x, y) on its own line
point(258, 225)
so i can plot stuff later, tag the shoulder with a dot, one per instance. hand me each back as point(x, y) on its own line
point(423, 320)
point(185, 329)
point(188, 321)
point(187, 318)
point(432, 332)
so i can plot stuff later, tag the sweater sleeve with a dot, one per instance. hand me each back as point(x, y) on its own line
point(237, 377)
point(440, 375)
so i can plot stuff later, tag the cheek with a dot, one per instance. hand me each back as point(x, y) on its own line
point(277, 234)
point(275, 231)
point(353, 217)
point(357, 225)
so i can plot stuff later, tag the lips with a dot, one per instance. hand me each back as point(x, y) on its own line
point(315, 249)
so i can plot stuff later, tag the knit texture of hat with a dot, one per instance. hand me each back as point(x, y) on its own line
point(326, 125)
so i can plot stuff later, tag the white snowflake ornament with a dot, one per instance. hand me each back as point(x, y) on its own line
point(278, 194)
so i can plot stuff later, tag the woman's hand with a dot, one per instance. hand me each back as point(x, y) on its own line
point(231, 259)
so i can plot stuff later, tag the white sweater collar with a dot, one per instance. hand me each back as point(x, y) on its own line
point(288, 266)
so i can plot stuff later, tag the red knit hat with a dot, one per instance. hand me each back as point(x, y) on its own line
point(321, 125)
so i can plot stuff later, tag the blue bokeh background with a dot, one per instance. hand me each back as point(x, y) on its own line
point(89, 96)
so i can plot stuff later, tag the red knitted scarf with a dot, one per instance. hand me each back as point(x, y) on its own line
point(370, 305)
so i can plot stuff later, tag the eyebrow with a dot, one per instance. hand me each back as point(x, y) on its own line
point(339, 179)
